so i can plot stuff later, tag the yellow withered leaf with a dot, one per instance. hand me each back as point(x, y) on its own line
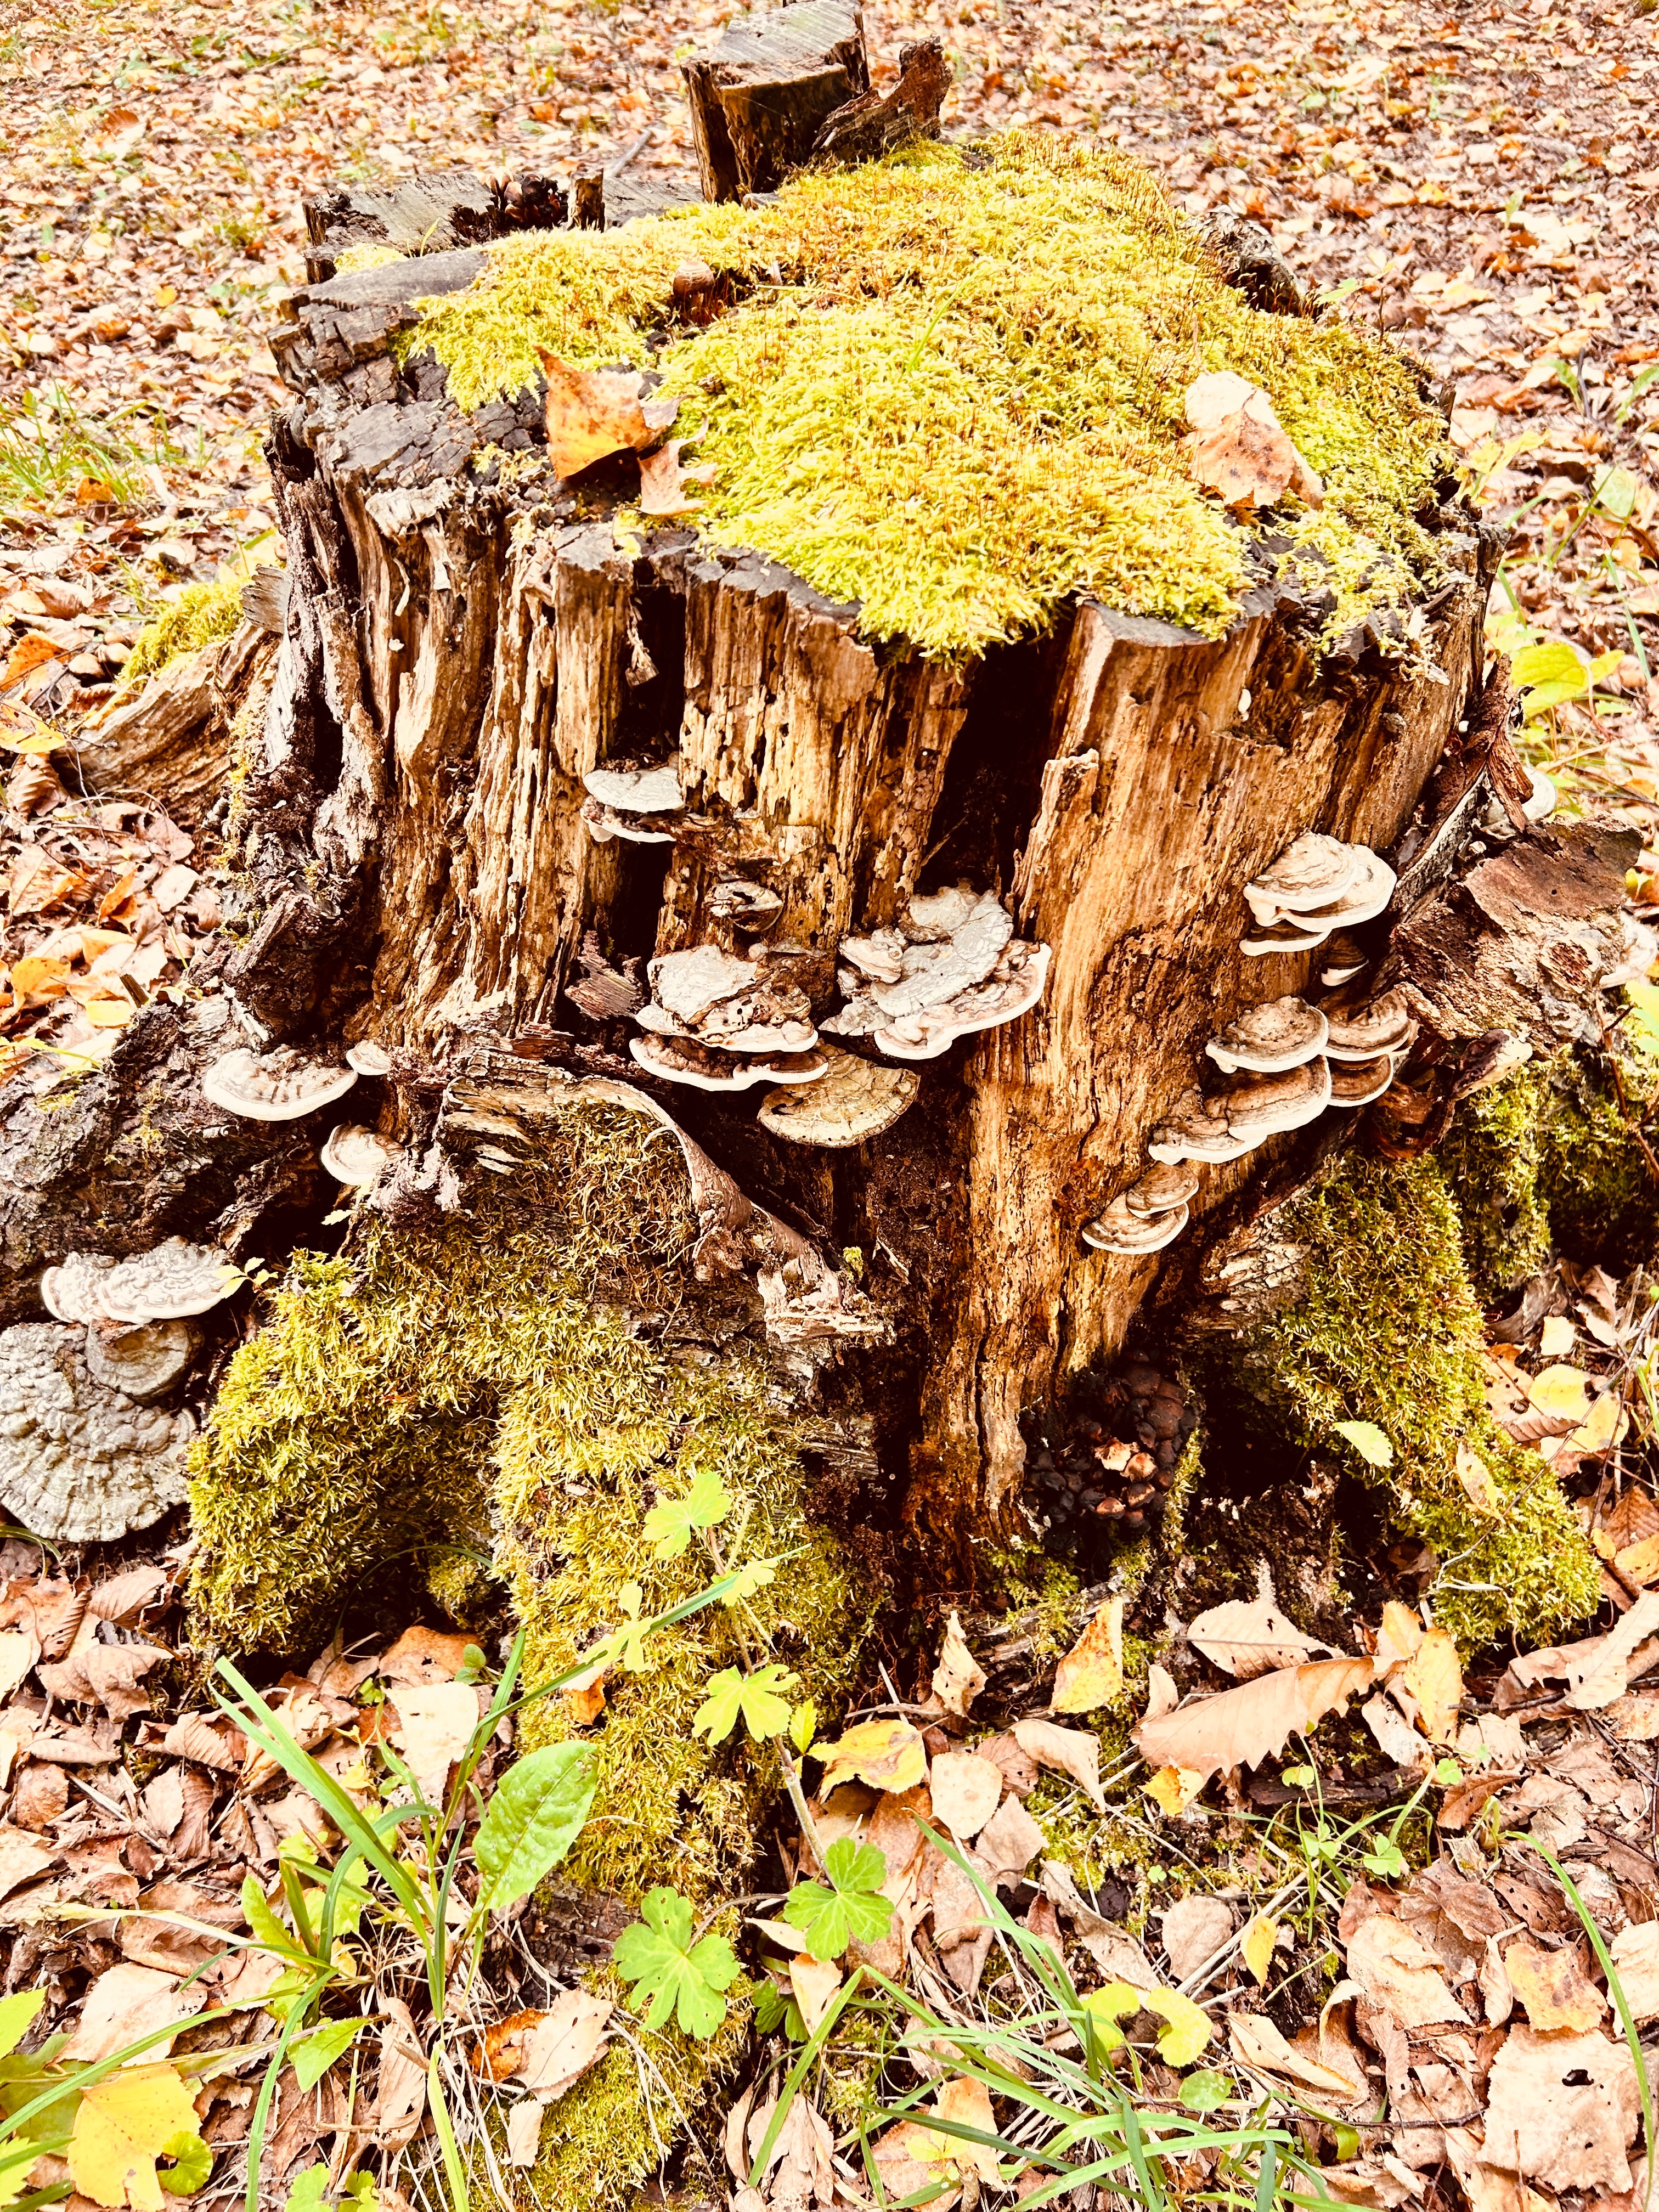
point(1435, 1678)
point(1256, 1945)
point(1091, 1673)
point(120, 2126)
point(1173, 1788)
point(887, 1754)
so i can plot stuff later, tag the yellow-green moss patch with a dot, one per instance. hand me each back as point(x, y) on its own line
point(201, 615)
point(951, 389)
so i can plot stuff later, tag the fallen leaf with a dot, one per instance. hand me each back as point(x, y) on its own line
point(1173, 1788)
point(1242, 1727)
point(915, 2161)
point(1561, 1391)
point(109, 1674)
point(1256, 2042)
point(1240, 448)
point(1639, 1563)
point(815, 1982)
point(1162, 1695)
point(1067, 1751)
point(121, 2126)
point(591, 412)
point(422, 1656)
point(1554, 1986)
point(1091, 1673)
point(967, 2103)
point(801, 2163)
point(1635, 1952)
point(1010, 1839)
point(1194, 1929)
point(435, 1724)
point(1603, 1674)
point(524, 2131)
point(663, 480)
point(1476, 1477)
point(1400, 1975)
point(1248, 1638)
point(1558, 1337)
point(1396, 1739)
point(18, 1653)
point(22, 1857)
point(563, 2043)
point(400, 2098)
point(1256, 1945)
point(1434, 1679)
point(966, 1790)
point(887, 1754)
point(959, 1678)
point(128, 2002)
point(1563, 2110)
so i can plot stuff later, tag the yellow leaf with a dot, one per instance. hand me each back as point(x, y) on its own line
point(1399, 1636)
point(1639, 1563)
point(1562, 1391)
point(887, 1754)
point(120, 2125)
point(1174, 1788)
point(1476, 1477)
point(1256, 1946)
point(1604, 1427)
point(1435, 1679)
point(1091, 1673)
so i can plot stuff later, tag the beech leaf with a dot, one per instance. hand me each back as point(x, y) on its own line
point(592, 412)
point(1091, 1673)
point(1251, 1637)
point(1368, 1441)
point(889, 1755)
point(1068, 1751)
point(1242, 1727)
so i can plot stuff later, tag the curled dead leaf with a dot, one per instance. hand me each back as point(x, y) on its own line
point(1239, 448)
point(1242, 1727)
point(594, 412)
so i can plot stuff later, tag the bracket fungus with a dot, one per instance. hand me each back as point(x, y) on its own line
point(1121, 1229)
point(1345, 959)
point(742, 905)
point(357, 1156)
point(1196, 1130)
point(68, 1291)
point(369, 1058)
point(280, 1085)
point(80, 1463)
point(603, 823)
point(1169, 1183)
point(1357, 1082)
point(856, 1099)
point(951, 966)
point(1258, 1107)
point(1382, 1026)
point(141, 1362)
point(680, 1059)
point(1317, 885)
point(171, 1281)
point(637, 786)
point(706, 997)
point(1279, 1034)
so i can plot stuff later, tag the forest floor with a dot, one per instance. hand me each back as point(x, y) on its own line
point(1484, 183)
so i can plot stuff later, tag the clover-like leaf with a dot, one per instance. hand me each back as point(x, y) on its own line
point(757, 1698)
point(670, 1974)
point(1184, 2034)
point(852, 1906)
point(192, 2163)
point(670, 1523)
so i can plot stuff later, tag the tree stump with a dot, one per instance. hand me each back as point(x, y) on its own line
point(430, 861)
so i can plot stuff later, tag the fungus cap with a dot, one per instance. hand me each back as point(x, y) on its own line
point(1383, 1026)
point(856, 1099)
point(744, 905)
point(1277, 1033)
point(1121, 1230)
point(79, 1463)
point(1363, 900)
point(68, 1291)
point(1311, 870)
point(1279, 937)
point(141, 1363)
point(1260, 1106)
point(356, 1155)
point(953, 940)
point(603, 823)
point(282, 1086)
point(1196, 1131)
point(1541, 801)
point(1170, 1183)
point(1346, 959)
point(1014, 987)
point(369, 1058)
point(1357, 1082)
point(171, 1281)
point(691, 983)
point(682, 1060)
point(642, 787)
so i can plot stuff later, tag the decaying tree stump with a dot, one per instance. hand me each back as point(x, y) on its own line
point(423, 869)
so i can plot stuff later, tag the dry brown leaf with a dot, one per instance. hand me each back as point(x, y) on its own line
point(1162, 1695)
point(800, 2166)
point(23, 1856)
point(128, 2002)
point(524, 2131)
point(1068, 1751)
point(109, 1674)
point(208, 1740)
point(558, 2048)
point(18, 1653)
point(1635, 1951)
point(1563, 2110)
point(400, 2098)
point(966, 1790)
point(815, 1982)
point(1400, 1633)
point(887, 1754)
point(959, 1678)
point(1251, 1637)
point(663, 480)
point(1010, 1839)
point(1603, 1674)
point(1242, 1727)
point(1639, 1563)
point(1400, 1975)
point(40, 1795)
point(1396, 1739)
point(591, 412)
point(122, 1597)
point(1194, 1929)
point(1091, 1673)
point(1554, 1986)
point(422, 1655)
point(968, 2102)
point(1434, 1680)
point(1240, 449)
point(1256, 2042)
point(435, 1724)
point(914, 2161)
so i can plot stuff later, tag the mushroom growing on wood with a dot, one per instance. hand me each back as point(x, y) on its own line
point(1277, 1033)
point(1357, 1082)
point(743, 905)
point(637, 786)
point(68, 1291)
point(1383, 1026)
point(355, 1156)
point(856, 1099)
point(281, 1085)
point(369, 1058)
point(713, 997)
point(951, 966)
point(1170, 1183)
point(1260, 1106)
point(141, 1362)
point(1196, 1130)
point(79, 1463)
point(171, 1281)
point(680, 1059)
point(1311, 871)
point(1121, 1229)
point(603, 823)
point(1345, 959)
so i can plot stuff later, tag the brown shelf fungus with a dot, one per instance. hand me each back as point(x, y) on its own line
point(1345, 959)
point(357, 1156)
point(1196, 1130)
point(1383, 1026)
point(1169, 1183)
point(1312, 870)
point(679, 1059)
point(141, 1362)
point(1121, 1229)
point(1258, 1107)
point(1357, 1082)
point(1279, 1034)
point(80, 1463)
point(369, 1058)
point(281, 1085)
point(856, 1099)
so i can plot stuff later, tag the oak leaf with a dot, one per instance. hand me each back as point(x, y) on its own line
point(122, 2125)
point(1242, 1727)
point(664, 478)
point(1091, 1673)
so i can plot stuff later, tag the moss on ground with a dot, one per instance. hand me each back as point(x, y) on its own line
point(492, 1395)
point(952, 388)
point(201, 615)
point(1547, 1160)
point(1389, 1331)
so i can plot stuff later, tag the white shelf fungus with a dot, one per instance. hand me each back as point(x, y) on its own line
point(951, 967)
point(281, 1085)
point(1167, 1184)
point(1196, 1130)
point(1279, 1034)
point(369, 1058)
point(171, 1281)
point(357, 1155)
point(1382, 1026)
point(68, 1291)
point(80, 1463)
point(637, 786)
point(682, 1060)
point(856, 1100)
point(1317, 885)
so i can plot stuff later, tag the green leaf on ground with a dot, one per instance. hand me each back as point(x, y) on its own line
point(671, 1974)
point(530, 1822)
point(670, 1523)
point(1368, 1441)
point(314, 2054)
point(852, 1906)
point(757, 1698)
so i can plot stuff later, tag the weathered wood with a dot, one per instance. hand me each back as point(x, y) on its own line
point(170, 743)
point(759, 99)
point(875, 123)
point(428, 215)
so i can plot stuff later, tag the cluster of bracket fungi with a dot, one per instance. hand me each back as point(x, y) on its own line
point(288, 1083)
point(1286, 1060)
point(730, 1015)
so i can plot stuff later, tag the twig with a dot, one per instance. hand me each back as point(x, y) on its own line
point(614, 169)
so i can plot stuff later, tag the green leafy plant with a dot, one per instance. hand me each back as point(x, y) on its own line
point(673, 1971)
point(851, 1905)
point(756, 1697)
point(671, 1522)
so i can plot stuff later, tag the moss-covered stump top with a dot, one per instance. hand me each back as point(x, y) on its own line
point(951, 387)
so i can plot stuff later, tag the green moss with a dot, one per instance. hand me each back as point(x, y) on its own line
point(1545, 1160)
point(952, 388)
point(1389, 1332)
point(201, 615)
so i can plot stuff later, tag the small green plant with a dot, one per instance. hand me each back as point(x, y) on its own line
point(851, 1905)
point(675, 1972)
